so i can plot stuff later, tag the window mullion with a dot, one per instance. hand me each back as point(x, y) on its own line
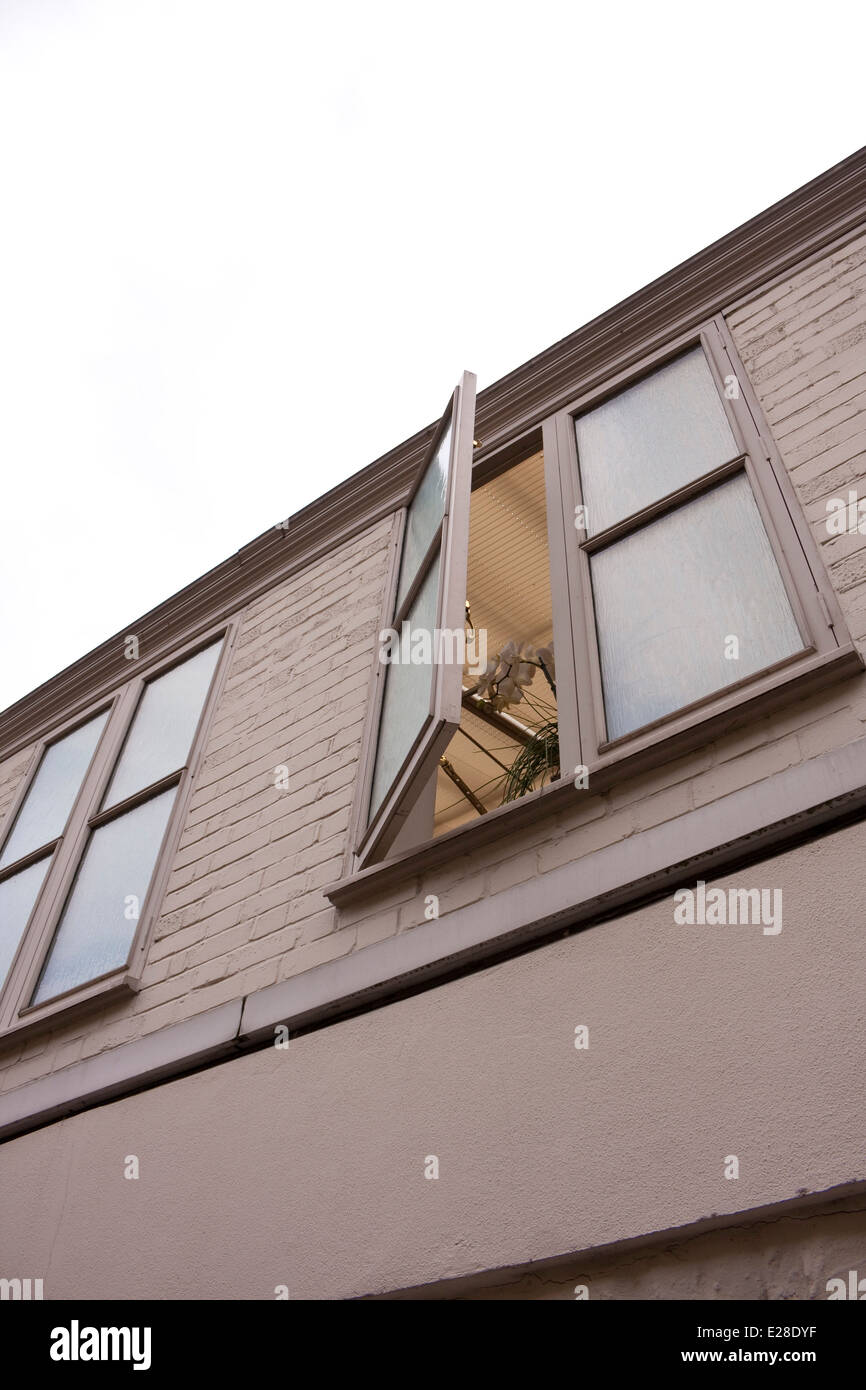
point(666, 504)
point(433, 550)
point(101, 816)
point(26, 860)
point(565, 591)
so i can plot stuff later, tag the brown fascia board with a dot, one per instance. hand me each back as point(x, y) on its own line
point(797, 227)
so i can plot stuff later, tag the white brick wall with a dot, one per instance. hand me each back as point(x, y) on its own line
point(804, 346)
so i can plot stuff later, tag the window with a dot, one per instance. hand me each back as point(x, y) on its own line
point(683, 582)
point(507, 740)
point(418, 699)
point(82, 846)
point(667, 597)
point(37, 829)
point(690, 579)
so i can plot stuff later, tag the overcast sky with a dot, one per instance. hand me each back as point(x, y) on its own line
point(247, 246)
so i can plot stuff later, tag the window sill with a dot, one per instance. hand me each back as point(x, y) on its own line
point(627, 759)
point(38, 1017)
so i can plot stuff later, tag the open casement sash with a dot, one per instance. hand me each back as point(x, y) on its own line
point(420, 684)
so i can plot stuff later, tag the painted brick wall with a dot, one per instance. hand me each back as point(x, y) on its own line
point(804, 346)
point(244, 905)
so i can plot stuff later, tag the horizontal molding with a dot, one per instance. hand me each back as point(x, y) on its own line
point(123, 1070)
point(813, 217)
point(746, 826)
point(707, 283)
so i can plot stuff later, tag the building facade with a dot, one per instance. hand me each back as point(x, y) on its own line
point(457, 892)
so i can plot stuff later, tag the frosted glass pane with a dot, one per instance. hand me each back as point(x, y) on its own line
point(17, 896)
point(53, 790)
point(669, 596)
point(425, 514)
point(163, 727)
point(406, 701)
point(650, 439)
point(95, 931)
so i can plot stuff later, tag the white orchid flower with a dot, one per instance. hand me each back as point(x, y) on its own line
point(545, 654)
point(487, 678)
point(509, 692)
point(524, 673)
point(516, 670)
point(505, 678)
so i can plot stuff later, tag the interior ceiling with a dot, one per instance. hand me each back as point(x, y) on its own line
point(508, 583)
point(508, 588)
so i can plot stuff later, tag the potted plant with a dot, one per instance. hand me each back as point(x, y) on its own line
point(506, 682)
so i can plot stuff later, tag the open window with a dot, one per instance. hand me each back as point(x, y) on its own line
point(502, 737)
point(652, 526)
point(422, 654)
point(507, 741)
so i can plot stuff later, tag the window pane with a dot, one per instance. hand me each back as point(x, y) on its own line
point(425, 514)
point(651, 439)
point(669, 596)
point(163, 727)
point(17, 896)
point(406, 702)
point(101, 914)
point(53, 790)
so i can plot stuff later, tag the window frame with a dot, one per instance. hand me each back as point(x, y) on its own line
point(813, 604)
point(375, 832)
point(86, 816)
point(828, 653)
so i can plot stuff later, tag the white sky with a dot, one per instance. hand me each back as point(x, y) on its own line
point(248, 246)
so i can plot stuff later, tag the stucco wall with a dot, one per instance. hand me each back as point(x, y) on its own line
point(306, 1166)
point(244, 905)
point(777, 1257)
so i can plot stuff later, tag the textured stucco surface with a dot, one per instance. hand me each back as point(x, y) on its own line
point(786, 1257)
point(305, 1166)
